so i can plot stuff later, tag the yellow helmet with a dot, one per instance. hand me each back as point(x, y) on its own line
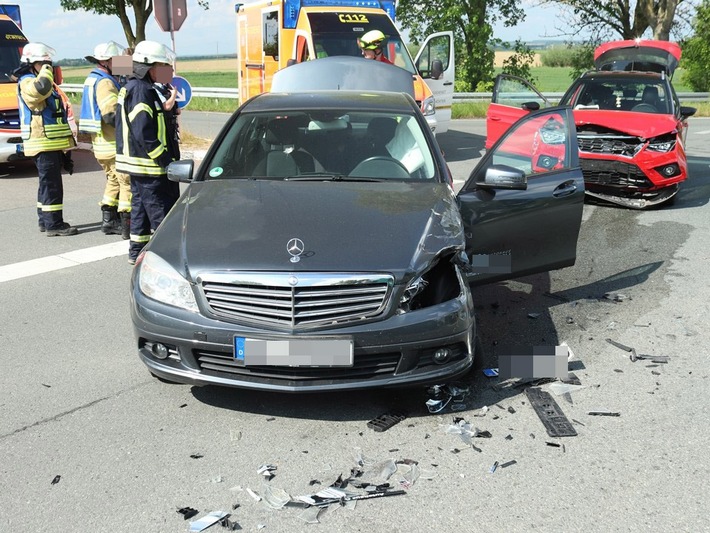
point(372, 40)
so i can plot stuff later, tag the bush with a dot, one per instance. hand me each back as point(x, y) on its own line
point(558, 56)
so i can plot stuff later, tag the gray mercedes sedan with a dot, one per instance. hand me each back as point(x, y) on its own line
point(320, 245)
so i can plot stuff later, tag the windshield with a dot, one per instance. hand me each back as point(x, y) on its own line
point(324, 145)
point(9, 61)
point(336, 34)
point(622, 94)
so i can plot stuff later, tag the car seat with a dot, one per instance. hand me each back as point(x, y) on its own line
point(380, 131)
point(284, 158)
point(650, 96)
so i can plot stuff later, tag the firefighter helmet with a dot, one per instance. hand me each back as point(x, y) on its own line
point(372, 40)
point(149, 52)
point(34, 52)
point(105, 51)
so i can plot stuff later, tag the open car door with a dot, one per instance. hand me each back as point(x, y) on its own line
point(435, 63)
point(513, 97)
point(522, 204)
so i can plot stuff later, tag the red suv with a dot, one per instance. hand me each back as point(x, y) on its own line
point(631, 128)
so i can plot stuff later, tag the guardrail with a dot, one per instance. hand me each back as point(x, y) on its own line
point(225, 92)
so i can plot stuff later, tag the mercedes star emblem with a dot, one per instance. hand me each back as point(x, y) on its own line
point(295, 247)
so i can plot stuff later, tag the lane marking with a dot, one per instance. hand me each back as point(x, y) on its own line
point(51, 263)
point(704, 132)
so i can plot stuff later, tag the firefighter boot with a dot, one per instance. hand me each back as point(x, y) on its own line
point(110, 224)
point(125, 225)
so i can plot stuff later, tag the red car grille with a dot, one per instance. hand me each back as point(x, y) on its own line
point(625, 145)
point(613, 174)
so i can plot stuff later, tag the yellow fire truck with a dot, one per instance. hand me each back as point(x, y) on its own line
point(11, 42)
point(273, 34)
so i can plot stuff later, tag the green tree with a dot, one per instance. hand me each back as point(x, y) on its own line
point(142, 10)
point(623, 18)
point(471, 21)
point(696, 51)
point(520, 62)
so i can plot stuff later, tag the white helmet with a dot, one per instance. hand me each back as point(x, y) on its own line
point(149, 52)
point(105, 51)
point(33, 52)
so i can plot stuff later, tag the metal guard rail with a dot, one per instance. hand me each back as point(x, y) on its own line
point(227, 92)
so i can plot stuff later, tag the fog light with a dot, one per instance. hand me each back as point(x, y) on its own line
point(442, 355)
point(160, 351)
point(670, 170)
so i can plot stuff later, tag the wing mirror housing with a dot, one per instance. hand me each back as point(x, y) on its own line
point(504, 177)
point(687, 111)
point(181, 171)
point(530, 106)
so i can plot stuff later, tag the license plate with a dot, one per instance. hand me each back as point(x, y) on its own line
point(293, 352)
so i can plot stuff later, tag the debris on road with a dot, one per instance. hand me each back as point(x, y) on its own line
point(550, 414)
point(603, 413)
point(452, 395)
point(632, 351)
point(385, 421)
point(509, 463)
point(266, 470)
point(490, 372)
point(207, 521)
point(616, 297)
point(494, 467)
point(56, 479)
point(187, 512)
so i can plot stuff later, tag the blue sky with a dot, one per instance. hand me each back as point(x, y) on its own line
point(74, 34)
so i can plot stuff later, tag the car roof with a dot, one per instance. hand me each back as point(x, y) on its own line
point(365, 101)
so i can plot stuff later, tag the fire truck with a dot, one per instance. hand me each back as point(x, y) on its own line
point(11, 42)
point(272, 34)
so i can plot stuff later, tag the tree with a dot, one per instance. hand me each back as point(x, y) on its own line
point(696, 51)
point(141, 13)
point(519, 63)
point(625, 19)
point(471, 21)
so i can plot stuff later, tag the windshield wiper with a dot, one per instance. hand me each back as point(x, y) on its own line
point(327, 177)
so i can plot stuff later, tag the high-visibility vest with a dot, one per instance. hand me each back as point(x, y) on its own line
point(91, 118)
point(57, 133)
point(141, 113)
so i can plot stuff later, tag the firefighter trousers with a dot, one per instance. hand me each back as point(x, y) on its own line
point(117, 192)
point(50, 195)
point(151, 200)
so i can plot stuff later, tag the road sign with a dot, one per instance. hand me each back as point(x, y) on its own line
point(170, 14)
point(184, 91)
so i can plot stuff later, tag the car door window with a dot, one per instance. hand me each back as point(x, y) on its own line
point(515, 92)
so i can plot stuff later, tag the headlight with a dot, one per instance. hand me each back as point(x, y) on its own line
point(161, 282)
point(428, 106)
point(662, 143)
point(415, 287)
point(553, 132)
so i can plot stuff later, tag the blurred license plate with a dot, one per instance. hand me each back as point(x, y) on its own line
point(293, 352)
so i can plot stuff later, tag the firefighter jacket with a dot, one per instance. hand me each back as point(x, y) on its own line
point(141, 133)
point(43, 118)
point(98, 112)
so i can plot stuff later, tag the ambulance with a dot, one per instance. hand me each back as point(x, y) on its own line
point(273, 34)
point(11, 42)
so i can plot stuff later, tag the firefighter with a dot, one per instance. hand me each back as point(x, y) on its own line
point(143, 149)
point(46, 134)
point(371, 44)
point(98, 114)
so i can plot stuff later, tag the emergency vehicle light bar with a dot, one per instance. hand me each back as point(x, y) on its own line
point(292, 7)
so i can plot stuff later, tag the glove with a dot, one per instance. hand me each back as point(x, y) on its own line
point(67, 163)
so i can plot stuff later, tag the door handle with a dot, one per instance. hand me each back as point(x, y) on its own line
point(564, 189)
point(448, 83)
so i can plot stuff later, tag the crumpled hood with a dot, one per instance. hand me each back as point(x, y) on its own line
point(345, 226)
point(644, 125)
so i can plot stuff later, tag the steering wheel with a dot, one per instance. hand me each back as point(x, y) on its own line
point(644, 108)
point(370, 168)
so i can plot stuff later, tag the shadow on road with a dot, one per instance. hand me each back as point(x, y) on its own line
point(460, 146)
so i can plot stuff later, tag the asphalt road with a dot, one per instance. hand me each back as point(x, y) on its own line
point(76, 402)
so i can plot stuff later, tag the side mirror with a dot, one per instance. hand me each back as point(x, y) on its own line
point(181, 171)
point(530, 106)
point(687, 111)
point(504, 177)
point(437, 69)
point(290, 62)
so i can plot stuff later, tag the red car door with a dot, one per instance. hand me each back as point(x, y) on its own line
point(513, 97)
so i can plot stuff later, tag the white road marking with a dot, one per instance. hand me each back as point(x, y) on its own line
point(50, 263)
point(704, 132)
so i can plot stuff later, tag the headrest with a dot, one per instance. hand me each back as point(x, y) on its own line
point(381, 129)
point(281, 131)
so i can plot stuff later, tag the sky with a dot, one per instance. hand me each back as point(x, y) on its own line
point(74, 34)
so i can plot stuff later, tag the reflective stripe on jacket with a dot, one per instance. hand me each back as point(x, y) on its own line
point(98, 101)
point(141, 138)
point(43, 119)
point(90, 118)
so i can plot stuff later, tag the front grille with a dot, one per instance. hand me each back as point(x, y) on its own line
point(296, 301)
point(10, 120)
point(624, 145)
point(613, 174)
point(364, 367)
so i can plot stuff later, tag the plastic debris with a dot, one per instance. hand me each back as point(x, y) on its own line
point(509, 463)
point(511, 410)
point(196, 456)
point(616, 297)
point(494, 467)
point(207, 521)
point(310, 514)
point(563, 388)
point(533, 315)
point(230, 525)
point(632, 352)
point(56, 479)
point(603, 413)
point(509, 437)
point(553, 444)
point(490, 372)
point(452, 395)
point(385, 421)
point(187, 512)
point(254, 495)
point(275, 498)
point(267, 471)
point(550, 414)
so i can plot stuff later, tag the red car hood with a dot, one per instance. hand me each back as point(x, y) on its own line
point(638, 124)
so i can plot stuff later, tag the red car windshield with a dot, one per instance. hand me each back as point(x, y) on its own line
point(638, 95)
